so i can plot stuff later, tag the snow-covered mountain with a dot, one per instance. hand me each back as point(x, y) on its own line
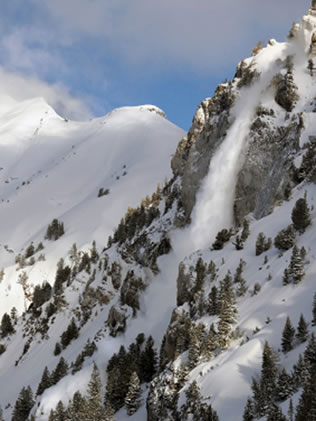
point(214, 269)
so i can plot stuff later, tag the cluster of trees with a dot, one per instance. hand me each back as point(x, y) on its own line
point(21, 259)
point(194, 408)
point(201, 343)
point(72, 332)
point(242, 238)
point(85, 408)
point(286, 94)
point(276, 385)
point(262, 243)
point(295, 272)
point(55, 230)
point(136, 219)
point(127, 370)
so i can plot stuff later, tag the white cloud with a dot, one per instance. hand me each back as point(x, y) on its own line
point(20, 87)
point(197, 33)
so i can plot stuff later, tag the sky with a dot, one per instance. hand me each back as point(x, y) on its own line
point(87, 57)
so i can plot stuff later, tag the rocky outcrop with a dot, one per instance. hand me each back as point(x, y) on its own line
point(194, 153)
point(117, 320)
point(266, 171)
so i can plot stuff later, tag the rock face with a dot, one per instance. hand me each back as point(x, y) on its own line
point(194, 153)
point(117, 320)
point(266, 171)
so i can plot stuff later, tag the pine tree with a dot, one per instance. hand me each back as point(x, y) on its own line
point(290, 412)
point(228, 312)
point(288, 336)
point(108, 412)
point(6, 325)
point(94, 401)
point(300, 374)
point(213, 301)
point(194, 349)
point(60, 412)
point(133, 397)
point(284, 386)
point(286, 277)
point(60, 371)
point(276, 414)
point(302, 330)
point(306, 408)
point(249, 412)
point(296, 266)
point(310, 352)
point(268, 379)
point(301, 215)
point(45, 382)
point(314, 310)
point(23, 405)
point(148, 361)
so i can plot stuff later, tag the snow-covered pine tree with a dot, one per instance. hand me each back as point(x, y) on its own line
point(301, 215)
point(23, 405)
point(94, 400)
point(287, 336)
point(228, 312)
point(45, 382)
point(296, 268)
point(133, 398)
point(249, 412)
point(314, 311)
point(284, 387)
point(302, 330)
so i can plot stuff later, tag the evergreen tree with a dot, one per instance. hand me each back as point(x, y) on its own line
point(249, 412)
point(284, 387)
point(310, 352)
point(116, 390)
point(148, 361)
point(133, 397)
point(45, 382)
point(1, 414)
point(108, 412)
point(6, 325)
point(194, 349)
point(245, 231)
point(300, 374)
point(302, 330)
point(228, 312)
point(268, 379)
point(290, 412)
point(286, 277)
point(288, 336)
point(94, 400)
point(60, 412)
point(23, 405)
point(314, 311)
point(301, 215)
point(306, 408)
point(276, 414)
point(213, 301)
point(72, 332)
point(296, 266)
point(60, 371)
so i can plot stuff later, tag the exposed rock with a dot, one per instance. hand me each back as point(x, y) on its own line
point(265, 173)
point(131, 290)
point(312, 50)
point(117, 320)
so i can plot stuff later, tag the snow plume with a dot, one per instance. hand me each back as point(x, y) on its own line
point(214, 206)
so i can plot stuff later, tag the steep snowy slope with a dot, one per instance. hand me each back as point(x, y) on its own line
point(53, 168)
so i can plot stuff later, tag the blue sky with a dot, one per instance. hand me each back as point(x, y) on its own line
point(87, 57)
